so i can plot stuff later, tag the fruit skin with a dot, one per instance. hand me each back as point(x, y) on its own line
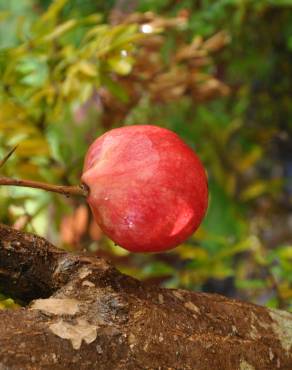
point(148, 190)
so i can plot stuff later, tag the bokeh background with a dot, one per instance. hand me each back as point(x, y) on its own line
point(219, 73)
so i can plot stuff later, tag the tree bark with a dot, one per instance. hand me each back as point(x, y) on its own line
point(82, 313)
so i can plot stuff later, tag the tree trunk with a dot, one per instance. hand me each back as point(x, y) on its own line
point(82, 313)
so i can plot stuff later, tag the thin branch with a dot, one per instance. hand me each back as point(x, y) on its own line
point(78, 190)
point(8, 155)
point(275, 285)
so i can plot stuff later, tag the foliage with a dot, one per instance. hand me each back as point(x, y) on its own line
point(70, 71)
point(247, 148)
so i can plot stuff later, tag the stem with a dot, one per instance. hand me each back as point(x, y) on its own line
point(8, 155)
point(69, 191)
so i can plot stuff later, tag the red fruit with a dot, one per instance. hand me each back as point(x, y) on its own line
point(147, 189)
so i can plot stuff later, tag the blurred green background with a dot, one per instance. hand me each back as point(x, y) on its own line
point(216, 72)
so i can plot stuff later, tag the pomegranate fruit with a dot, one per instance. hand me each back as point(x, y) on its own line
point(147, 189)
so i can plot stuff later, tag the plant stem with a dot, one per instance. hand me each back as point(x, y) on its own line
point(8, 155)
point(69, 191)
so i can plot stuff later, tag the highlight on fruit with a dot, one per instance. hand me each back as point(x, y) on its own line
point(146, 188)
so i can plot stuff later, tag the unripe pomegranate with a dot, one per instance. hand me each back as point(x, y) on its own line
point(147, 189)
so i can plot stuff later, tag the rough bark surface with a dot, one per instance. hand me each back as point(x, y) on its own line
point(84, 314)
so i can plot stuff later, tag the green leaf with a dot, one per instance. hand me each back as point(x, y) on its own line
point(34, 69)
point(60, 30)
point(251, 284)
point(53, 11)
point(157, 269)
point(121, 65)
